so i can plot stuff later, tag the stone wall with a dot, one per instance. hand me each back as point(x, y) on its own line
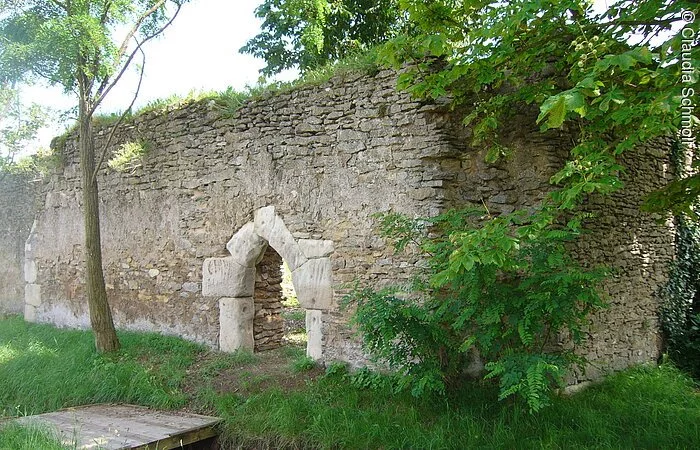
point(268, 324)
point(302, 173)
point(325, 157)
point(17, 209)
point(637, 248)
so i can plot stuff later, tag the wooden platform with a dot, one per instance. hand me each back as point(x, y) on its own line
point(112, 427)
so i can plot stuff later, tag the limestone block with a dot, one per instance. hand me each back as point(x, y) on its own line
point(30, 272)
point(236, 324)
point(32, 294)
point(313, 284)
point(223, 277)
point(246, 246)
point(29, 313)
point(314, 332)
point(271, 227)
point(316, 248)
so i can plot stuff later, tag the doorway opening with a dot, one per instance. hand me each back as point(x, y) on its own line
point(249, 285)
point(279, 319)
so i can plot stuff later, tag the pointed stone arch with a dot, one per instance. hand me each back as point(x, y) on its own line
point(232, 279)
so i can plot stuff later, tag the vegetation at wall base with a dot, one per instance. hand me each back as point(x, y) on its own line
point(43, 369)
point(498, 289)
point(680, 310)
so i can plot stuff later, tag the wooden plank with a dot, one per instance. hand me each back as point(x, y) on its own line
point(118, 427)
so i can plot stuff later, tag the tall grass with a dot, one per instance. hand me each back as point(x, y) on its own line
point(43, 369)
point(641, 408)
point(15, 437)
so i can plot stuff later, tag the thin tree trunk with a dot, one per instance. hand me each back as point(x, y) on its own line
point(100, 314)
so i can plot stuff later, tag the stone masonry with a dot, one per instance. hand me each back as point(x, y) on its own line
point(268, 324)
point(190, 234)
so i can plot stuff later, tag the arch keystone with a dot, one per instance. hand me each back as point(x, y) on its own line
point(271, 227)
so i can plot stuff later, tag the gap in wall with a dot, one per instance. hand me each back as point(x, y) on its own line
point(279, 320)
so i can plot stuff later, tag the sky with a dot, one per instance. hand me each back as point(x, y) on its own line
point(199, 52)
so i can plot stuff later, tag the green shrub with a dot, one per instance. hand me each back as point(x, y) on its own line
point(504, 288)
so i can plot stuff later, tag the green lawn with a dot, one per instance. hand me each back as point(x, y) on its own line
point(273, 400)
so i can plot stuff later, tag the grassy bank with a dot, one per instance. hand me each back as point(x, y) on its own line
point(276, 399)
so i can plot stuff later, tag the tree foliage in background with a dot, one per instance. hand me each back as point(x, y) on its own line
point(71, 43)
point(18, 125)
point(306, 34)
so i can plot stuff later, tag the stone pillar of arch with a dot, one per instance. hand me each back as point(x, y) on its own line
point(232, 279)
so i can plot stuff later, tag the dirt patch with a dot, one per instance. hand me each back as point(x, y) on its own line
point(247, 374)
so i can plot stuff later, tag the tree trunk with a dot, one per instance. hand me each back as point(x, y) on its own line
point(100, 314)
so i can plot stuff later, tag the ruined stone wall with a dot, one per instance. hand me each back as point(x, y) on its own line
point(326, 157)
point(17, 209)
point(321, 160)
point(635, 247)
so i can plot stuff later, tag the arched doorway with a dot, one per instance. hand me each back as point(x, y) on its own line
point(232, 279)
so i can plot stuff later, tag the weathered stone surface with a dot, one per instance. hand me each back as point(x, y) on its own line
point(271, 227)
point(190, 287)
point(29, 313)
point(246, 246)
point(30, 271)
point(312, 164)
point(313, 284)
point(314, 332)
point(316, 248)
point(268, 323)
point(32, 294)
point(236, 324)
point(224, 277)
point(18, 199)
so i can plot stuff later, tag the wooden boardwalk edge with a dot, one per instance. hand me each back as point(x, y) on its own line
point(121, 427)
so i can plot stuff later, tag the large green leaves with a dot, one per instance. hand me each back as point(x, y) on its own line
point(612, 80)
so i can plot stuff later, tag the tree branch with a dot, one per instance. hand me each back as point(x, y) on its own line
point(106, 85)
point(633, 23)
point(121, 118)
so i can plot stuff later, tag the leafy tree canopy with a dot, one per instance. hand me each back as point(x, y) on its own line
point(306, 34)
point(619, 78)
point(71, 43)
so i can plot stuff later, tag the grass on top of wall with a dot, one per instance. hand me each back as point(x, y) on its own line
point(230, 100)
point(278, 400)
